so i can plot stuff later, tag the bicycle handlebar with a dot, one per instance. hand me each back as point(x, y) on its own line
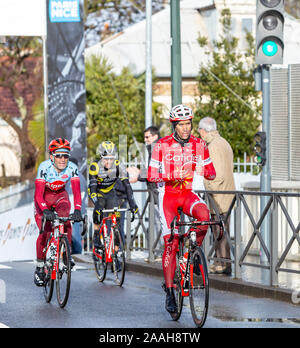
point(65, 219)
point(195, 223)
point(115, 209)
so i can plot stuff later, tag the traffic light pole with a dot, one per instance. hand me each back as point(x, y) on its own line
point(176, 80)
point(265, 179)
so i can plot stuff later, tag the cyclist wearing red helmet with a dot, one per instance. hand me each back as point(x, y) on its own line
point(172, 166)
point(52, 176)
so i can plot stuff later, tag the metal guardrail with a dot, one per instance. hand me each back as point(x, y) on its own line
point(239, 247)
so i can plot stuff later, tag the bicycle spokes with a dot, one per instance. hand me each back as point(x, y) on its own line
point(198, 287)
point(100, 264)
point(63, 273)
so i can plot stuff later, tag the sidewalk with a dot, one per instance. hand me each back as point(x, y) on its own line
point(220, 282)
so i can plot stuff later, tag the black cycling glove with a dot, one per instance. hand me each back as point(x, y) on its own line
point(77, 215)
point(49, 215)
point(98, 208)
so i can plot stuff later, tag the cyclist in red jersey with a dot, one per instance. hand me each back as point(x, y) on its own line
point(52, 176)
point(174, 160)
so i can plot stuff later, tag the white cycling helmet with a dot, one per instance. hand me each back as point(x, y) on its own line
point(180, 113)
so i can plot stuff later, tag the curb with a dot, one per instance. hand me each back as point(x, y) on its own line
point(218, 282)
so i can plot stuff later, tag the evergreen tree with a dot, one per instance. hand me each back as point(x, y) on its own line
point(227, 92)
point(115, 104)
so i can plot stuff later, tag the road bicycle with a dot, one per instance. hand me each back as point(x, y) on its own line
point(191, 275)
point(112, 247)
point(57, 263)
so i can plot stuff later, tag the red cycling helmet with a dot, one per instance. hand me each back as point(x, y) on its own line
point(59, 144)
point(180, 113)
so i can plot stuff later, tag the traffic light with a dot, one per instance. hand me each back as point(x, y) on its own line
point(269, 31)
point(260, 148)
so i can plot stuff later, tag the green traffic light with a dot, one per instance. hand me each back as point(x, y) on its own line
point(270, 48)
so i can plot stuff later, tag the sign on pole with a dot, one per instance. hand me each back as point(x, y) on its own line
point(66, 76)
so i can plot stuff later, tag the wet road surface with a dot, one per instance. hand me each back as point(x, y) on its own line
point(138, 304)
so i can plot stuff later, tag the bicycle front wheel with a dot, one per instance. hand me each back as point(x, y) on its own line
point(198, 287)
point(100, 263)
point(49, 284)
point(63, 272)
point(118, 258)
point(178, 291)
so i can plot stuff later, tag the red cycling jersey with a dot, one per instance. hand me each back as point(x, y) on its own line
point(50, 192)
point(170, 158)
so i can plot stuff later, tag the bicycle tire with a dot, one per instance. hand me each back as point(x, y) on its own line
point(178, 291)
point(198, 287)
point(100, 264)
point(63, 272)
point(119, 260)
point(49, 283)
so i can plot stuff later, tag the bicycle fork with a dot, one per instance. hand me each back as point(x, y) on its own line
point(184, 277)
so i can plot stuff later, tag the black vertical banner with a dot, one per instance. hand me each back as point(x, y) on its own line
point(66, 76)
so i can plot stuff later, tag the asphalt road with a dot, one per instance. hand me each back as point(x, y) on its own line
point(138, 304)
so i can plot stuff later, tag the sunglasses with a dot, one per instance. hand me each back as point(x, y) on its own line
point(61, 155)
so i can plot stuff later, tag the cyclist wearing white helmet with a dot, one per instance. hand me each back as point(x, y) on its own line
point(172, 166)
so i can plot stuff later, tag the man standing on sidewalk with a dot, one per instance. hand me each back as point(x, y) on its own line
point(222, 157)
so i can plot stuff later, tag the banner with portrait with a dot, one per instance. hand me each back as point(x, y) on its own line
point(66, 76)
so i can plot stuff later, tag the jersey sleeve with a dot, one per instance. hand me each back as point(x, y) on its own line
point(75, 184)
point(155, 169)
point(208, 166)
point(40, 183)
point(93, 182)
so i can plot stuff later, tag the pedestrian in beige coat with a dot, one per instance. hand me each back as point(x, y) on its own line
point(222, 157)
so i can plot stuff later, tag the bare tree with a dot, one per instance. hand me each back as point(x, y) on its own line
point(21, 79)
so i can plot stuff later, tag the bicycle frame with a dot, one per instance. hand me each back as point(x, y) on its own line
point(109, 247)
point(57, 231)
point(187, 274)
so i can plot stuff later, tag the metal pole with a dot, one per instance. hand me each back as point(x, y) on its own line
point(175, 53)
point(265, 180)
point(45, 71)
point(238, 237)
point(151, 227)
point(148, 94)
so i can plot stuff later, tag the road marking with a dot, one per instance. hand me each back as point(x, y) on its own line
point(5, 267)
point(78, 267)
point(2, 326)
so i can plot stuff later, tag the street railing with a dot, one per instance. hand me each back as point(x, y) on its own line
point(248, 229)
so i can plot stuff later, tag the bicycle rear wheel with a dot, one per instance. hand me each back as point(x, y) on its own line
point(177, 289)
point(100, 263)
point(198, 287)
point(63, 272)
point(118, 258)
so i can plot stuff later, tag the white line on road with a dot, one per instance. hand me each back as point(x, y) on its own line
point(5, 267)
point(2, 326)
